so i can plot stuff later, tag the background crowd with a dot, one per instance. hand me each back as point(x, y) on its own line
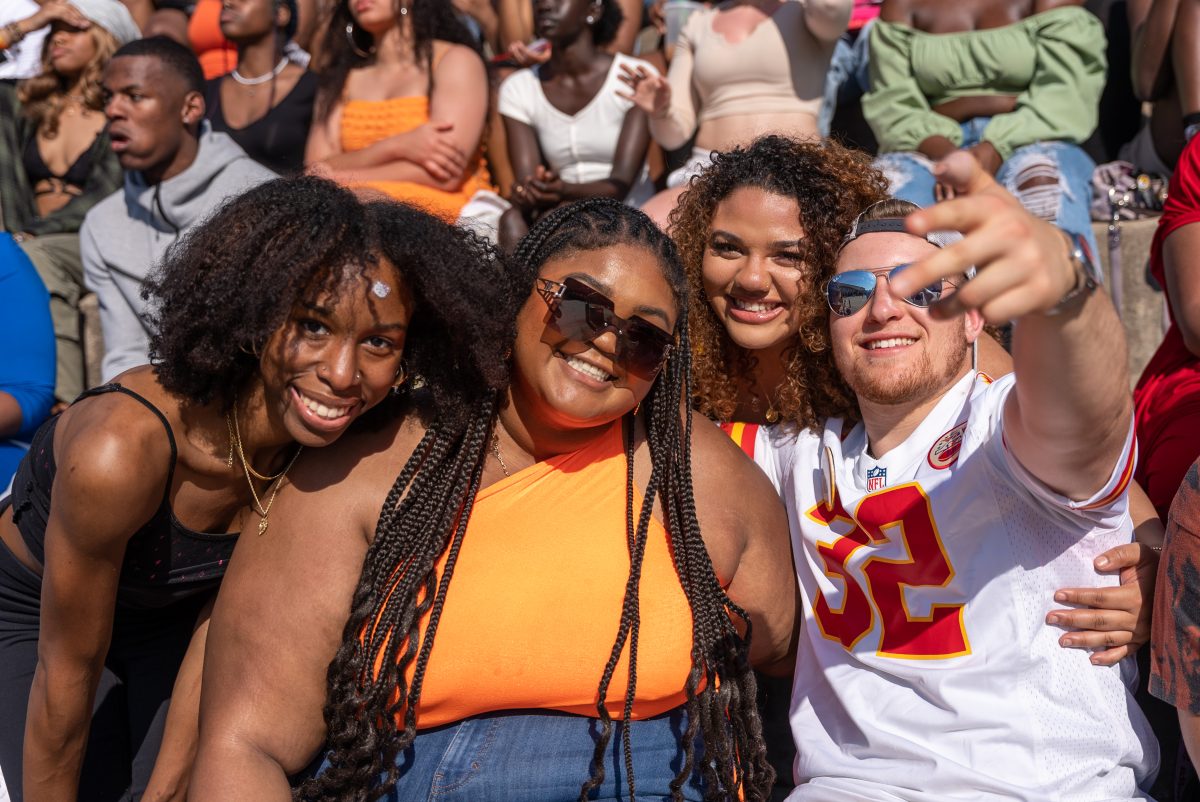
point(130, 128)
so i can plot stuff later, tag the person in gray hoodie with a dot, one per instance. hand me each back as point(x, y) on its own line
point(177, 172)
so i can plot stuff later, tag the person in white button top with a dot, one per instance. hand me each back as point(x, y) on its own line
point(929, 537)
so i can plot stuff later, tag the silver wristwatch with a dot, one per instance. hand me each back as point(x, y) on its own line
point(1087, 271)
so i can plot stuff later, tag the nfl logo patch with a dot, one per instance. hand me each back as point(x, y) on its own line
point(876, 478)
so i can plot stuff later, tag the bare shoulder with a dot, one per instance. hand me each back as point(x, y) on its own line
point(722, 470)
point(455, 60)
point(735, 502)
point(113, 455)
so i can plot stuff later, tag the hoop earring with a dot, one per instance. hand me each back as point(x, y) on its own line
point(358, 51)
point(401, 378)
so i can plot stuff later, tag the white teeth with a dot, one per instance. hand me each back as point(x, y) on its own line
point(754, 306)
point(588, 369)
point(895, 342)
point(322, 411)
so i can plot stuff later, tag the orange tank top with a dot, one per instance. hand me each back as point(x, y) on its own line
point(365, 122)
point(532, 610)
point(217, 54)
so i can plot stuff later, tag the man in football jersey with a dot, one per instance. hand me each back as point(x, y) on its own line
point(929, 538)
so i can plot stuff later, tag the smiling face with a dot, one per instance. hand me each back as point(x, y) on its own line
point(891, 352)
point(337, 355)
point(574, 385)
point(754, 267)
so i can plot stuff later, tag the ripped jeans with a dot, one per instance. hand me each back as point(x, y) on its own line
point(1065, 203)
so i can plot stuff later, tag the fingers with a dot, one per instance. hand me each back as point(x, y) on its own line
point(1110, 657)
point(1096, 640)
point(1106, 619)
point(964, 174)
point(1123, 598)
point(1127, 555)
point(442, 127)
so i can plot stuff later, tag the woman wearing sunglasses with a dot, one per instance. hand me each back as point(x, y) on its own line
point(280, 322)
point(557, 586)
point(759, 232)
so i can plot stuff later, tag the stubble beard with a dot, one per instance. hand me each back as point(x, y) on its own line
point(914, 384)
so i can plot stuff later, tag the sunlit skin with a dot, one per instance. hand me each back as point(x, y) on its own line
point(891, 352)
point(340, 350)
point(753, 267)
point(547, 390)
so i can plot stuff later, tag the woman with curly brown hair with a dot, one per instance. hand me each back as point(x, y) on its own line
point(280, 321)
point(55, 158)
point(755, 229)
point(759, 232)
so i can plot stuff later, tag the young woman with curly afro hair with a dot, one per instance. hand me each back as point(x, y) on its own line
point(289, 314)
point(484, 608)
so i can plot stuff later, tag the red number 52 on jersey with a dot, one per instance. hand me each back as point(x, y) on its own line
point(904, 513)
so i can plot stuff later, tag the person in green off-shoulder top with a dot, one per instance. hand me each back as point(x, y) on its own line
point(1015, 83)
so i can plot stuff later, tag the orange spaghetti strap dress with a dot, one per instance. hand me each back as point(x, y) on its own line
point(217, 54)
point(532, 610)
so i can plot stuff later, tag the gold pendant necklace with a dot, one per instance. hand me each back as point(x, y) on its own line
point(262, 511)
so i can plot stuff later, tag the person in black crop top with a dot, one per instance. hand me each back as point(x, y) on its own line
point(280, 321)
point(266, 103)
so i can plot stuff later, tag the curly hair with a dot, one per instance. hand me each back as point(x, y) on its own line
point(233, 280)
point(831, 184)
point(425, 516)
point(43, 96)
point(430, 20)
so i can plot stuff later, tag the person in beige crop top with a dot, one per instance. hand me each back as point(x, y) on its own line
point(742, 69)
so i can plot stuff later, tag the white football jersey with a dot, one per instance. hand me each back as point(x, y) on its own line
point(926, 670)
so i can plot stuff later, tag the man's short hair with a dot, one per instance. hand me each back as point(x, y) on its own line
point(173, 56)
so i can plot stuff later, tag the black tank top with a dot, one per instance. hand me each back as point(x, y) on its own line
point(164, 560)
point(277, 139)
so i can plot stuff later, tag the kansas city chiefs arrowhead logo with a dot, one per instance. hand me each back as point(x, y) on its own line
point(945, 451)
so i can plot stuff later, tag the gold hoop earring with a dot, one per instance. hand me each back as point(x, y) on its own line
point(358, 51)
point(401, 378)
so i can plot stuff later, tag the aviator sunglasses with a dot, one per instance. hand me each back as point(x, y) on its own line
point(847, 293)
point(580, 314)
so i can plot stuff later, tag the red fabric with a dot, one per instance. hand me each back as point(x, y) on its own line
point(1167, 398)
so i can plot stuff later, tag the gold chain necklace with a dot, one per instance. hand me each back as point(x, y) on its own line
point(237, 440)
point(496, 454)
point(277, 478)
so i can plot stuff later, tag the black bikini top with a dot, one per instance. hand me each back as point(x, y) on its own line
point(164, 560)
point(37, 171)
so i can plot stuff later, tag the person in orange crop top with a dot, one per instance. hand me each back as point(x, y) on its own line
point(560, 580)
point(402, 104)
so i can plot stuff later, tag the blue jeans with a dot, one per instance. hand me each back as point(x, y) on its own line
point(847, 79)
point(541, 756)
point(1066, 204)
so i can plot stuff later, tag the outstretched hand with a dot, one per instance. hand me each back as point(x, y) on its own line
point(1023, 263)
point(648, 90)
